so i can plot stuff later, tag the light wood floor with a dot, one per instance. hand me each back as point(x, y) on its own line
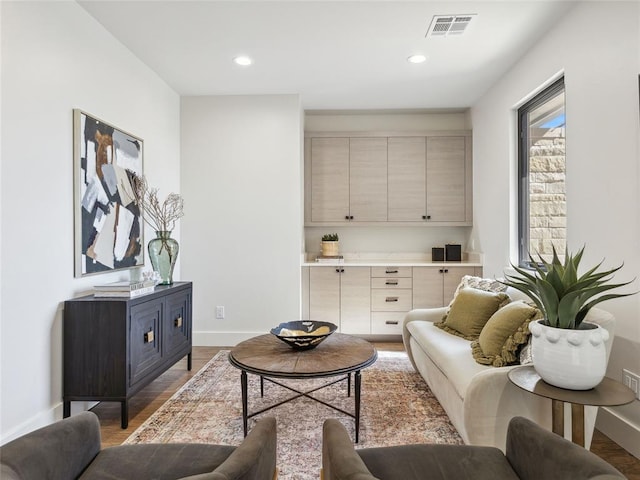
point(147, 401)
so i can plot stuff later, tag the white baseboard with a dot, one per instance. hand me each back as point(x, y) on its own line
point(619, 429)
point(43, 419)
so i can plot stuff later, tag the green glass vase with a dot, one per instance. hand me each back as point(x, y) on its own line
point(163, 252)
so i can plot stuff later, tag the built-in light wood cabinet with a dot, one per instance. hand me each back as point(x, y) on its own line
point(388, 179)
point(435, 286)
point(341, 295)
point(446, 174)
point(367, 179)
point(374, 300)
point(328, 166)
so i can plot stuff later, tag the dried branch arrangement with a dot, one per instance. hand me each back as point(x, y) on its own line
point(161, 217)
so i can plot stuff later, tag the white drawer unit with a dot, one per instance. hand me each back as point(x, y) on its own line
point(391, 272)
point(391, 300)
point(387, 323)
point(391, 283)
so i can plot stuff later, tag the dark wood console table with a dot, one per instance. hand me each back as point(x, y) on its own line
point(113, 347)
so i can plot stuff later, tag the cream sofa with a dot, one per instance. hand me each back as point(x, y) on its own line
point(479, 399)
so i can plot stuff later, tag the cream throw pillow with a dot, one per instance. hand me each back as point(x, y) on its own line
point(470, 310)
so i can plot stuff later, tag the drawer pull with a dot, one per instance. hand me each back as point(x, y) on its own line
point(178, 321)
point(391, 322)
point(391, 299)
point(391, 271)
point(391, 282)
point(148, 337)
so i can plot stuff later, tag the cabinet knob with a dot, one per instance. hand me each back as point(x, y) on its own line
point(391, 299)
point(178, 321)
point(426, 217)
point(339, 270)
point(149, 336)
point(346, 217)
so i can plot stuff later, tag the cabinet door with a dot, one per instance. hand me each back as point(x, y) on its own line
point(145, 343)
point(407, 175)
point(427, 287)
point(452, 278)
point(324, 294)
point(329, 179)
point(177, 326)
point(355, 300)
point(446, 201)
point(368, 179)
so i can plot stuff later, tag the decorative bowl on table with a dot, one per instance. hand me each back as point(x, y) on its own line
point(303, 334)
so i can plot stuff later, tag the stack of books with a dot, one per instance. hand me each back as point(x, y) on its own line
point(125, 289)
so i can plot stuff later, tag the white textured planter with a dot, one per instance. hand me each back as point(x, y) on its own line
point(571, 359)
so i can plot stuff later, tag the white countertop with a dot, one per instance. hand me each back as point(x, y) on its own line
point(471, 259)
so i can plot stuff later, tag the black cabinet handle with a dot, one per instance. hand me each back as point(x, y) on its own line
point(444, 270)
point(426, 217)
point(391, 271)
point(339, 270)
point(346, 217)
point(391, 299)
point(391, 322)
point(391, 282)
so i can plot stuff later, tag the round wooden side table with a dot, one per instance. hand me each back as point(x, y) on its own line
point(608, 393)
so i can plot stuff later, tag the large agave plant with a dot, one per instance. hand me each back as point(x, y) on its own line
point(564, 297)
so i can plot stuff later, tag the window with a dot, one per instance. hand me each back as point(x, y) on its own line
point(542, 212)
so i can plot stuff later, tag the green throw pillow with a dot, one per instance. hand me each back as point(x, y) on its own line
point(470, 310)
point(504, 333)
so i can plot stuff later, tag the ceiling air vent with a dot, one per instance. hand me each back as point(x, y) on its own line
point(446, 25)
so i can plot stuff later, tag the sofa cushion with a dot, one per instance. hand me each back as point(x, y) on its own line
point(479, 283)
point(470, 310)
point(437, 462)
point(450, 353)
point(503, 334)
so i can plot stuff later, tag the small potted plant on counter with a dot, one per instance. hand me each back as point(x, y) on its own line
point(330, 245)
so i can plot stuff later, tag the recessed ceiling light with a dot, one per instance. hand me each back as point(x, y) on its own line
point(418, 58)
point(243, 60)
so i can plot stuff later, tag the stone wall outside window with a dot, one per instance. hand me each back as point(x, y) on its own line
point(547, 195)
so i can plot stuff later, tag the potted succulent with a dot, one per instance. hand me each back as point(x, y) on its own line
point(567, 351)
point(330, 245)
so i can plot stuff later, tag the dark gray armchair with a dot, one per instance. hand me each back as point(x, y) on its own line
point(70, 449)
point(533, 453)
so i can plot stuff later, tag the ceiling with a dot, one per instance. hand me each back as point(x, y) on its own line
point(337, 55)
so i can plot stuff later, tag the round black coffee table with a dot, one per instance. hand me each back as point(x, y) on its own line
point(270, 358)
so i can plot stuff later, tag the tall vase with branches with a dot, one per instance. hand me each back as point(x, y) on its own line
point(162, 217)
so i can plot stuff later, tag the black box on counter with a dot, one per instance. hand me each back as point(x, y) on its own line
point(453, 252)
point(437, 254)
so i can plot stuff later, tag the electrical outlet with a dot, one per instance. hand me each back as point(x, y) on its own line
point(220, 312)
point(632, 381)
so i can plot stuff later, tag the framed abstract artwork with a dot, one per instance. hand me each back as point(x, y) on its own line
point(108, 223)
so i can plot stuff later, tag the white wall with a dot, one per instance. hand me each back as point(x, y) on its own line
point(603, 150)
point(55, 57)
point(241, 235)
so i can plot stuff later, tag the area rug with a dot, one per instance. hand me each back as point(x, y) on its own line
point(397, 407)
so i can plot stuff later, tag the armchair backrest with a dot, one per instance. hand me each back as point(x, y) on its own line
point(536, 453)
point(58, 451)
